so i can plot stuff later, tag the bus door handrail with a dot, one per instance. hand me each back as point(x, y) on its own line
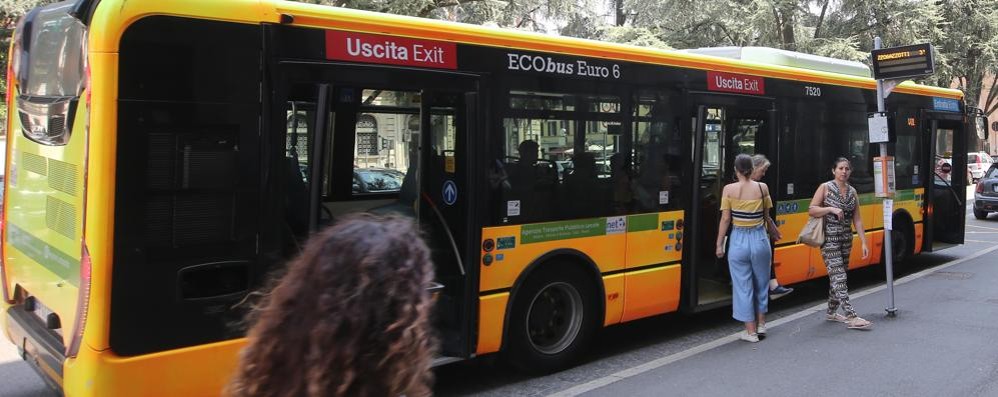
point(447, 231)
point(949, 187)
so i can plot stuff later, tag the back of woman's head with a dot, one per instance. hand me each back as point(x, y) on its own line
point(350, 317)
point(759, 161)
point(743, 165)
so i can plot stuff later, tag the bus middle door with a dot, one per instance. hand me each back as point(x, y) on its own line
point(725, 126)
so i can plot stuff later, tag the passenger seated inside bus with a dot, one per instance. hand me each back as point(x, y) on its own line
point(582, 188)
point(531, 182)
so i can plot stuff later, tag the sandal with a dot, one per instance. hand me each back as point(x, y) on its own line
point(837, 318)
point(858, 322)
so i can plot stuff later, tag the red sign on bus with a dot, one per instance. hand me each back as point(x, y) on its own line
point(730, 82)
point(371, 48)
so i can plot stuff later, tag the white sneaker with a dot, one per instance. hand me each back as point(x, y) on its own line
point(745, 336)
point(761, 330)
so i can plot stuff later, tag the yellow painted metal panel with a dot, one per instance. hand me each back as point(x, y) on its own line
point(656, 246)
point(793, 264)
point(614, 286)
point(101, 373)
point(651, 292)
point(507, 264)
point(101, 166)
point(113, 17)
point(491, 316)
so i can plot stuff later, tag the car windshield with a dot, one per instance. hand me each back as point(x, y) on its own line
point(380, 180)
point(993, 172)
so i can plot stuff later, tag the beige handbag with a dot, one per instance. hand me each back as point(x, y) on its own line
point(813, 233)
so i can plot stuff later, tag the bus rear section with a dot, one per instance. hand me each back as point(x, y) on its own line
point(44, 270)
point(158, 175)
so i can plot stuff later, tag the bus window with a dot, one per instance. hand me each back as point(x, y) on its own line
point(657, 155)
point(558, 150)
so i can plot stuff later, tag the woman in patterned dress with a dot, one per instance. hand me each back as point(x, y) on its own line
point(836, 200)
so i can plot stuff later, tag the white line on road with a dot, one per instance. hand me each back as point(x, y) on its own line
point(982, 227)
point(661, 362)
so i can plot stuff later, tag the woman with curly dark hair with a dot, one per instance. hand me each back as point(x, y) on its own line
point(350, 317)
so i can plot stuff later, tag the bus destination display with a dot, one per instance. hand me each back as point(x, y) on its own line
point(906, 61)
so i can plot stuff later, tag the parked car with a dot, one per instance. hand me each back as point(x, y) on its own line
point(986, 193)
point(377, 180)
point(978, 163)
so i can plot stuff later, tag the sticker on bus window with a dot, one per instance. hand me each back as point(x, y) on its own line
point(663, 197)
point(790, 188)
point(449, 164)
point(513, 208)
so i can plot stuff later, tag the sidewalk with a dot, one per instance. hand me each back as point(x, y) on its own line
point(944, 342)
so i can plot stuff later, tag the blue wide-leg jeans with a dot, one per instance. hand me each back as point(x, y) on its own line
point(749, 259)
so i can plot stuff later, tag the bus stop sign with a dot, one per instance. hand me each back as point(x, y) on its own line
point(907, 61)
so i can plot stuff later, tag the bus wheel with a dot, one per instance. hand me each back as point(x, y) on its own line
point(980, 214)
point(552, 319)
point(902, 242)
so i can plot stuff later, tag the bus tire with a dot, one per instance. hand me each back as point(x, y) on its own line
point(980, 214)
point(553, 318)
point(902, 242)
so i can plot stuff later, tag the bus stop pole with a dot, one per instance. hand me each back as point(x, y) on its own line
point(888, 225)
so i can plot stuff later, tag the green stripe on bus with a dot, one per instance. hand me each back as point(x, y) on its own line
point(58, 262)
point(640, 223)
point(904, 195)
point(800, 206)
point(552, 231)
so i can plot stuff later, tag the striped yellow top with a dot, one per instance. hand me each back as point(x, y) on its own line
point(746, 213)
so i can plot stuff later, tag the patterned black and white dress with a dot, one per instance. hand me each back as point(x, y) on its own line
point(838, 244)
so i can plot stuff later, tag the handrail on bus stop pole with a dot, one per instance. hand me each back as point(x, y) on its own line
point(887, 204)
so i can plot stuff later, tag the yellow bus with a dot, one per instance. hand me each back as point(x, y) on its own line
point(165, 157)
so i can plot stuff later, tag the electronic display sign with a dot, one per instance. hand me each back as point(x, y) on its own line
point(906, 61)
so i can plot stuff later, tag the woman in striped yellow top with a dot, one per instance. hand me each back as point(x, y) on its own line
point(742, 206)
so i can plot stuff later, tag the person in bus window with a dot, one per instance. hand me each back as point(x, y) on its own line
point(581, 187)
point(837, 201)
point(760, 164)
point(749, 253)
point(620, 182)
point(530, 182)
point(349, 318)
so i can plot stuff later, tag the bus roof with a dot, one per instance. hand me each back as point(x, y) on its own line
point(114, 16)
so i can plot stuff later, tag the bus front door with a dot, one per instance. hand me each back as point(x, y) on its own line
point(945, 192)
point(725, 127)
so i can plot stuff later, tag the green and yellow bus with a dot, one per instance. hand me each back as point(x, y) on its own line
point(165, 158)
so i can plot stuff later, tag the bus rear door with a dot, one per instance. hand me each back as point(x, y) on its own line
point(386, 140)
point(946, 192)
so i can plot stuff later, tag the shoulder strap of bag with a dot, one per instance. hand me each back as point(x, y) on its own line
point(765, 211)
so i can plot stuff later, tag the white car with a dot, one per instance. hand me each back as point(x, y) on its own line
point(978, 163)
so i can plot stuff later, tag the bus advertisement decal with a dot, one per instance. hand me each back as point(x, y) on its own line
point(56, 261)
point(541, 232)
point(390, 50)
